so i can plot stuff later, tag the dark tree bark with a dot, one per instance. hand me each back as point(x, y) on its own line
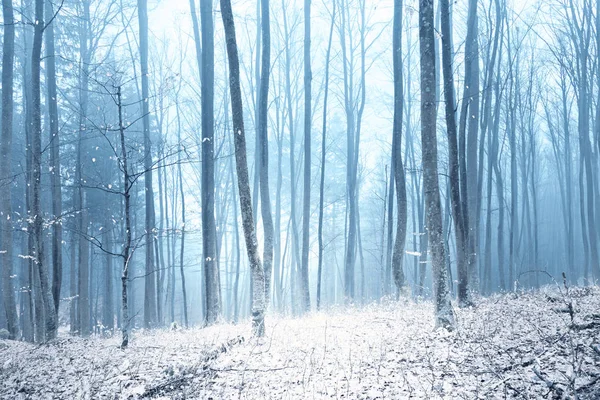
point(262, 115)
point(453, 155)
point(150, 279)
point(469, 125)
point(398, 166)
point(126, 255)
point(29, 330)
point(56, 187)
point(108, 320)
point(83, 298)
point(209, 249)
point(8, 63)
point(444, 315)
point(237, 110)
point(51, 321)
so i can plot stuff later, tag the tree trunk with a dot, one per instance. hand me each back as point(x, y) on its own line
point(323, 158)
point(54, 160)
point(108, 320)
point(149, 280)
point(51, 321)
point(8, 62)
point(262, 115)
point(258, 301)
point(444, 315)
point(398, 166)
point(209, 249)
point(183, 227)
point(453, 155)
point(125, 323)
point(305, 296)
point(83, 317)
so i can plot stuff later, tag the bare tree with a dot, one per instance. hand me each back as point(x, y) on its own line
point(8, 63)
point(212, 282)
point(323, 156)
point(150, 318)
point(444, 315)
point(51, 321)
point(56, 187)
point(263, 102)
point(398, 166)
point(305, 296)
point(237, 111)
point(453, 154)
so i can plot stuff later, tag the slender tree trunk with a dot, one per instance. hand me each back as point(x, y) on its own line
point(323, 158)
point(8, 62)
point(82, 303)
point(51, 321)
point(212, 284)
point(472, 96)
point(351, 159)
point(305, 296)
point(150, 279)
point(262, 115)
point(453, 154)
point(444, 315)
point(513, 170)
point(258, 301)
point(29, 330)
point(108, 320)
point(398, 166)
point(125, 323)
point(54, 160)
point(568, 178)
point(183, 227)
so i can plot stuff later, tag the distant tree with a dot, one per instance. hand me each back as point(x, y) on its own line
point(323, 156)
point(305, 295)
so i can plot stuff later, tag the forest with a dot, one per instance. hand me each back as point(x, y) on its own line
point(359, 199)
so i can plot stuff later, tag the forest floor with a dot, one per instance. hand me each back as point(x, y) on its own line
point(543, 344)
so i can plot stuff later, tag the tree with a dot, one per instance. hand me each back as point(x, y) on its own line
point(453, 155)
point(444, 315)
point(56, 187)
point(397, 165)
point(237, 111)
point(51, 321)
point(8, 62)
point(323, 157)
point(126, 255)
point(150, 317)
point(83, 291)
point(305, 296)
point(263, 101)
point(212, 281)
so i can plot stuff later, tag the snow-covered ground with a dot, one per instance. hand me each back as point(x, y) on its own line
point(531, 345)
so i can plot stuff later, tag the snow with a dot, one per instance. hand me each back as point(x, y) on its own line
point(523, 345)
